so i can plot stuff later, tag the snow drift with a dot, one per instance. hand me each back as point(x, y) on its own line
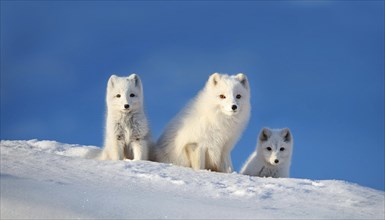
point(47, 179)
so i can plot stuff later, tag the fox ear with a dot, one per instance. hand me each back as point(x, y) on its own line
point(243, 80)
point(111, 80)
point(214, 78)
point(265, 134)
point(286, 134)
point(134, 77)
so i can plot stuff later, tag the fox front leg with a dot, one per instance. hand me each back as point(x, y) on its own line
point(140, 150)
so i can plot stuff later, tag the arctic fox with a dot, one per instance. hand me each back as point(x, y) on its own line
point(204, 133)
point(272, 158)
point(127, 134)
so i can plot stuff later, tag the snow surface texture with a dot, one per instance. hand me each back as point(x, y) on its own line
point(47, 179)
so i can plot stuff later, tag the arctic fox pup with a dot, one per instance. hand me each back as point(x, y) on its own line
point(272, 158)
point(204, 133)
point(127, 134)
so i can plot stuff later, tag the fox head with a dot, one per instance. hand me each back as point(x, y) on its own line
point(124, 93)
point(231, 94)
point(275, 145)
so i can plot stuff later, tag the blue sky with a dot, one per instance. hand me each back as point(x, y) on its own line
point(316, 67)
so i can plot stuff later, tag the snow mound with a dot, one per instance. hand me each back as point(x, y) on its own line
point(47, 179)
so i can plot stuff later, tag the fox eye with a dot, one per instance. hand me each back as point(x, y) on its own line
point(268, 148)
point(132, 95)
point(238, 96)
point(118, 96)
point(282, 149)
point(221, 96)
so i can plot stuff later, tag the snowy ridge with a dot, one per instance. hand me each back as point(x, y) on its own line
point(47, 179)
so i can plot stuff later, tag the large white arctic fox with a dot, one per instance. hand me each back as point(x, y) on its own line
point(272, 157)
point(127, 134)
point(204, 133)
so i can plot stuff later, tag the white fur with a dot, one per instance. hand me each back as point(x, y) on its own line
point(271, 163)
point(127, 134)
point(204, 133)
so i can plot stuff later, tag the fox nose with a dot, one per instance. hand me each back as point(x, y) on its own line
point(234, 107)
point(126, 106)
point(276, 161)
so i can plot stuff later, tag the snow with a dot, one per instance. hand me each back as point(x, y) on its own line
point(51, 180)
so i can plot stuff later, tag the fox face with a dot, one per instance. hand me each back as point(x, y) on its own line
point(124, 93)
point(230, 93)
point(275, 146)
